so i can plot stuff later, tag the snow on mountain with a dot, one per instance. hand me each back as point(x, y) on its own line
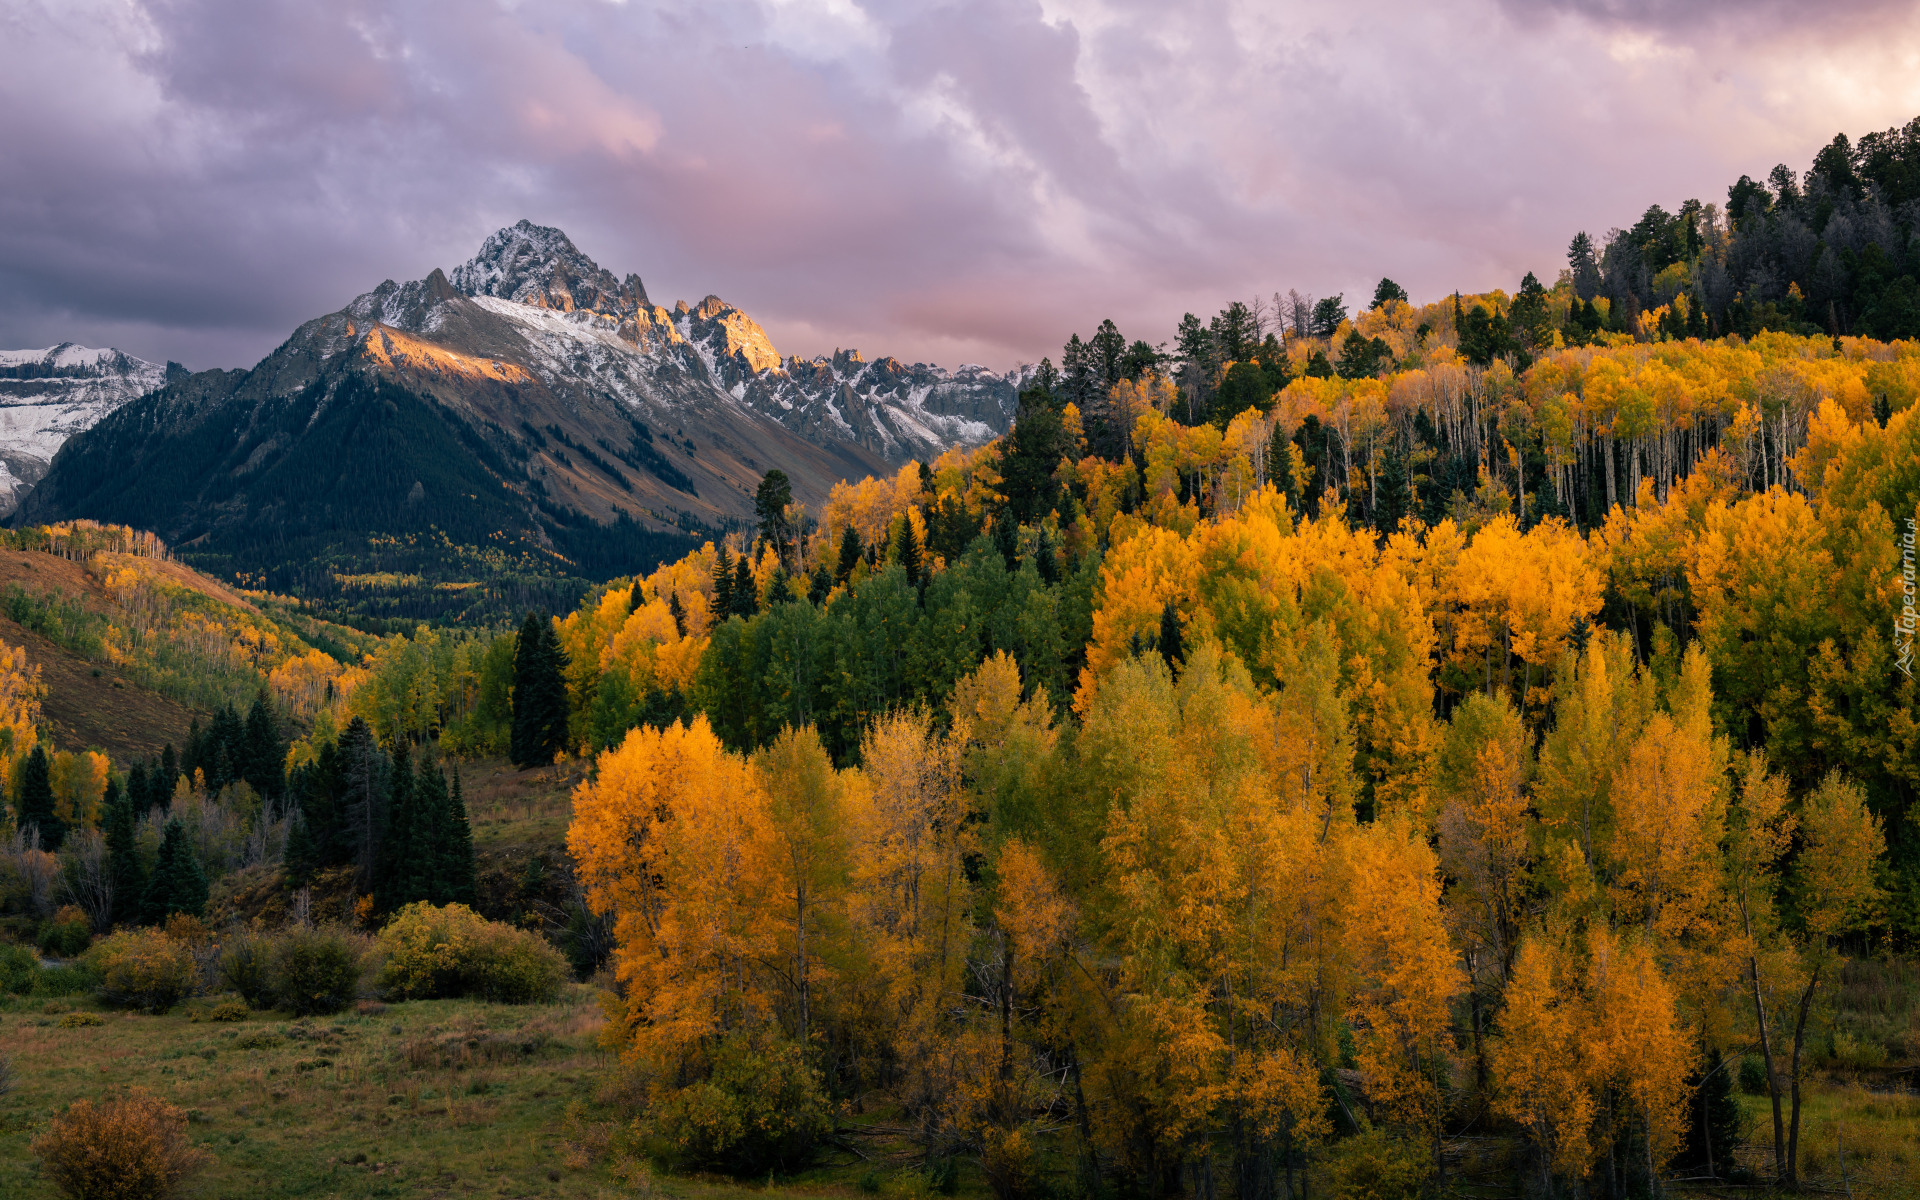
point(47, 396)
point(583, 325)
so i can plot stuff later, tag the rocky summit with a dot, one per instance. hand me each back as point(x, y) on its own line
point(47, 396)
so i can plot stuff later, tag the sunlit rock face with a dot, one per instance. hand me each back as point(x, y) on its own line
point(47, 396)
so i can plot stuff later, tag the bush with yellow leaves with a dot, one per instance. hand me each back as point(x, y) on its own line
point(133, 1147)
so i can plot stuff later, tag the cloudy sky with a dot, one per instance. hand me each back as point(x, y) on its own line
point(190, 179)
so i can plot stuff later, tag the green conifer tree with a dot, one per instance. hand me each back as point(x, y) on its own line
point(849, 554)
point(177, 885)
point(123, 857)
point(722, 607)
point(34, 804)
point(264, 761)
point(522, 748)
point(393, 879)
point(456, 868)
point(746, 593)
point(1172, 642)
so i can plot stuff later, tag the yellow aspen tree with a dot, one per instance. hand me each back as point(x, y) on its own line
point(808, 818)
point(673, 839)
point(1639, 1050)
point(1760, 830)
point(1540, 1060)
point(1837, 893)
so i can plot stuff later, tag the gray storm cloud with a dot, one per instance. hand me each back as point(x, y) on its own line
point(947, 182)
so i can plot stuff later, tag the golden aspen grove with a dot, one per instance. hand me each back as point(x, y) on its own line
point(1439, 750)
point(1203, 821)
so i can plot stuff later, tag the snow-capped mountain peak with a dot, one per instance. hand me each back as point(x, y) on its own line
point(539, 265)
point(47, 396)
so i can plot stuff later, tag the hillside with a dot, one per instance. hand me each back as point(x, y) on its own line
point(133, 647)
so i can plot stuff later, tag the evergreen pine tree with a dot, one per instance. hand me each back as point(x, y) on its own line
point(722, 585)
point(431, 835)
point(398, 858)
point(678, 614)
point(746, 593)
point(1713, 1118)
point(822, 582)
point(780, 591)
point(137, 801)
point(301, 858)
point(34, 804)
point(456, 868)
point(265, 757)
point(910, 553)
point(177, 885)
point(634, 597)
point(1006, 538)
point(123, 857)
point(161, 791)
point(553, 736)
point(523, 741)
point(1172, 641)
point(849, 554)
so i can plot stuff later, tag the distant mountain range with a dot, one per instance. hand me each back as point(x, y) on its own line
point(528, 403)
point(47, 396)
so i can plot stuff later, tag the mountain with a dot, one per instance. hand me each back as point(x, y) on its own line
point(526, 417)
point(47, 396)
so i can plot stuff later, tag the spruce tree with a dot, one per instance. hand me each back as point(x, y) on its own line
point(177, 885)
point(524, 741)
point(162, 790)
point(456, 867)
point(301, 858)
point(722, 607)
point(34, 804)
point(821, 584)
point(552, 680)
point(265, 757)
point(910, 553)
point(780, 591)
point(123, 857)
point(678, 614)
point(1172, 641)
point(849, 554)
point(746, 592)
point(393, 881)
point(137, 800)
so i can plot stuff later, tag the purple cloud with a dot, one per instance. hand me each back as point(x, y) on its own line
point(949, 182)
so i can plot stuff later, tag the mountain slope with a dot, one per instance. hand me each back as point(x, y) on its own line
point(528, 416)
point(47, 396)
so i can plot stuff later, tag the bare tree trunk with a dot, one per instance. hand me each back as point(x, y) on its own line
point(1799, 1037)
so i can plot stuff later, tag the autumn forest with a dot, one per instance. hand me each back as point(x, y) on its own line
point(1301, 755)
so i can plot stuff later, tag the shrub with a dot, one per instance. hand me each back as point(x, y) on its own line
point(315, 970)
point(66, 934)
point(131, 1148)
point(1753, 1075)
point(246, 966)
point(228, 1010)
point(761, 1108)
point(79, 1020)
point(18, 968)
point(143, 968)
point(1375, 1165)
point(73, 979)
point(453, 951)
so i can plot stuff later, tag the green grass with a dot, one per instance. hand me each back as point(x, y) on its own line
point(421, 1099)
